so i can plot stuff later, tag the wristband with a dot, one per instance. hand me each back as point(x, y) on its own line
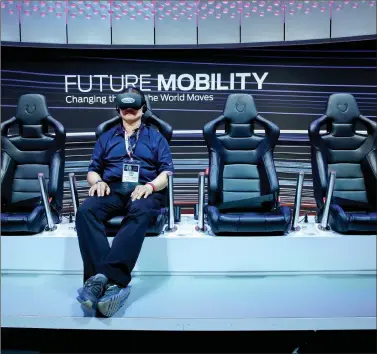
point(100, 180)
point(152, 185)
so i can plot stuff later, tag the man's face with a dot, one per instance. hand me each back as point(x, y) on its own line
point(131, 115)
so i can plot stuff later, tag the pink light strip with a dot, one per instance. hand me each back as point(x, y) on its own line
point(154, 12)
point(240, 10)
point(66, 11)
point(197, 2)
point(19, 8)
point(110, 12)
point(331, 9)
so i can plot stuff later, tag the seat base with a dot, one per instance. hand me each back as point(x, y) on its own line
point(27, 223)
point(352, 222)
point(249, 223)
point(156, 226)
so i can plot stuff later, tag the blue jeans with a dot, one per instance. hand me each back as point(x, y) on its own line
point(118, 261)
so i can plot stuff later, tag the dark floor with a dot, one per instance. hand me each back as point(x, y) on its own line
point(35, 341)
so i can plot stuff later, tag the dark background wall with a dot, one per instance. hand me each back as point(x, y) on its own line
point(295, 90)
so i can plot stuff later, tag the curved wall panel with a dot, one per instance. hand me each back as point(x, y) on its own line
point(184, 22)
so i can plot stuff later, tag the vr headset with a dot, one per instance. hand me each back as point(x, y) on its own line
point(130, 100)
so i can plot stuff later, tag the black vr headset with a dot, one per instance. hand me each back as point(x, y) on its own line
point(130, 100)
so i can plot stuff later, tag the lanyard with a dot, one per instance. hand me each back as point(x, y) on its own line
point(130, 148)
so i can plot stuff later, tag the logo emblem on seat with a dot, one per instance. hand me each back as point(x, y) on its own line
point(342, 107)
point(30, 108)
point(240, 106)
point(128, 100)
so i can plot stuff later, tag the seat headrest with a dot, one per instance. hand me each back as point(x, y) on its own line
point(31, 109)
point(147, 102)
point(342, 108)
point(240, 108)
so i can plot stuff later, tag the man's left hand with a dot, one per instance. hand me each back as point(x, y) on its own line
point(141, 191)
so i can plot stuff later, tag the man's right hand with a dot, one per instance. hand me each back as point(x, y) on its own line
point(101, 188)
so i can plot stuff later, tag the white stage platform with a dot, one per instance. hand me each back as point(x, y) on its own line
point(186, 280)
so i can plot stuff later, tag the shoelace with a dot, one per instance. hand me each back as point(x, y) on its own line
point(112, 289)
point(96, 286)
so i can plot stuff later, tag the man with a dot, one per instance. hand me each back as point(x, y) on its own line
point(128, 172)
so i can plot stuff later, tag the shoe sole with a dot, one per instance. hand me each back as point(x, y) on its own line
point(112, 305)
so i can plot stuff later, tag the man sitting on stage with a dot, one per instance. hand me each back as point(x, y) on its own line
point(128, 172)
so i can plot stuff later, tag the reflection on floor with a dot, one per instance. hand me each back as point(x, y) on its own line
point(301, 302)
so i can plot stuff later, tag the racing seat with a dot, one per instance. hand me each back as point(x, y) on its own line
point(243, 188)
point(168, 213)
point(30, 159)
point(352, 156)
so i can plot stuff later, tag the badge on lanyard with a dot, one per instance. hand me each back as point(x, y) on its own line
point(131, 169)
point(131, 173)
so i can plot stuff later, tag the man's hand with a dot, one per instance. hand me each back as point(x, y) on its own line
point(141, 191)
point(101, 188)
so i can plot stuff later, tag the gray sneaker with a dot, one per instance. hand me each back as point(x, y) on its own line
point(113, 299)
point(92, 291)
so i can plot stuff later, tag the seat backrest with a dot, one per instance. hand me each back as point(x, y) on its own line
point(342, 149)
point(148, 118)
point(30, 152)
point(241, 161)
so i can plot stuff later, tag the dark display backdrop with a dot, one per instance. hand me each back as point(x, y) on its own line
point(294, 92)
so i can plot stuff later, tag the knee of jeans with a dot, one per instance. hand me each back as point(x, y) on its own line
point(141, 207)
point(83, 210)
